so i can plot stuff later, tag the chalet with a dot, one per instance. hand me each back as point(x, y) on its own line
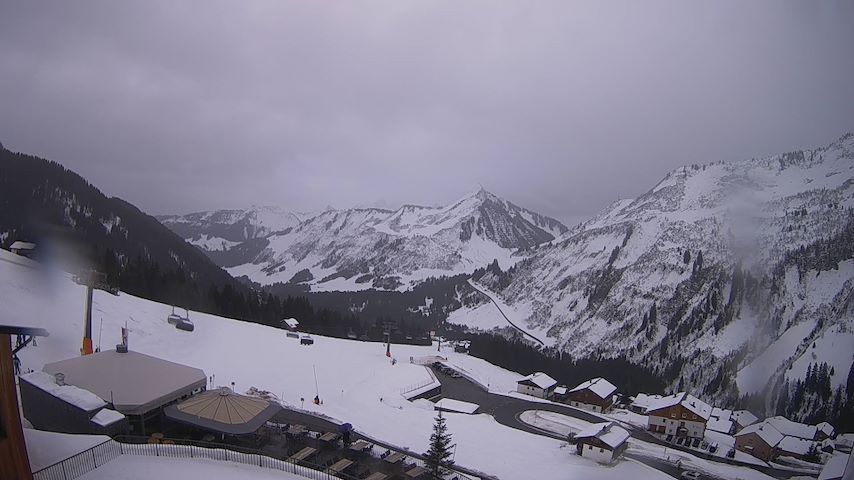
point(682, 414)
point(640, 402)
point(796, 447)
point(844, 442)
point(721, 421)
point(824, 431)
point(537, 385)
point(743, 418)
point(793, 429)
point(291, 324)
point(596, 395)
point(759, 440)
point(602, 442)
point(24, 249)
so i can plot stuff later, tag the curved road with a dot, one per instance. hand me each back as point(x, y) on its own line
point(506, 411)
point(497, 307)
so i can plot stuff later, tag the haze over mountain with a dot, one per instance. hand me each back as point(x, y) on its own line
point(731, 274)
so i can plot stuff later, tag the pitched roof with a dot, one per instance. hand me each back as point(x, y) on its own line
point(793, 429)
point(540, 379)
point(744, 417)
point(19, 245)
point(795, 445)
point(608, 432)
point(766, 432)
point(224, 411)
point(719, 424)
point(599, 386)
point(643, 400)
point(692, 403)
point(291, 322)
point(825, 428)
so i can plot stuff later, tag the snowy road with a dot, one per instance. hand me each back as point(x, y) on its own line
point(507, 411)
point(498, 307)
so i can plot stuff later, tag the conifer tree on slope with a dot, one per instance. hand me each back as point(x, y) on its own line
point(438, 456)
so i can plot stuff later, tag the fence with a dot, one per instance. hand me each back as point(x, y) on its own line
point(82, 463)
point(88, 460)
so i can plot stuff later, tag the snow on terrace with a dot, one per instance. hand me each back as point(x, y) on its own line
point(130, 467)
point(47, 448)
point(352, 376)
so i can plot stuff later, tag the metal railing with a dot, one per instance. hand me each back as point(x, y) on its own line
point(81, 463)
point(84, 462)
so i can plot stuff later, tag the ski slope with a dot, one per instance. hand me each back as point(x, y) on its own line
point(355, 380)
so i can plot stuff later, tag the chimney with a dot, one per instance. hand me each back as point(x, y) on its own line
point(59, 378)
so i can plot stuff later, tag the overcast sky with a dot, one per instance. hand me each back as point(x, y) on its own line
point(561, 107)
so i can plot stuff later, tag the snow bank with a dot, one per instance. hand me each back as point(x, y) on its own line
point(48, 448)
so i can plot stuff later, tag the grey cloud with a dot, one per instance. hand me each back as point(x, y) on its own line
point(558, 106)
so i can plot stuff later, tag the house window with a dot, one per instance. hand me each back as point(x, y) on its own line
point(601, 450)
point(673, 415)
point(589, 447)
point(684, 415)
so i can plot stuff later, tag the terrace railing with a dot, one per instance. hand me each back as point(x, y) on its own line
point(84, 462)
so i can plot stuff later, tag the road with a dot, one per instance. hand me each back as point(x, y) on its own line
point(506, 411)
point(498, 307)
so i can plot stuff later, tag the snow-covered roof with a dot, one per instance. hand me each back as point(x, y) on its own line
point(825, 428)
point(795, 445)
point(608, 432)
point(134, 382)
point(291, 322)
point(692, 403)
point(107, 417)
point(792, 429)
point(83, 399)
point(766, 432)
point(540, 379)
point(560, 390)
point(19, 245)
point(744, 418)
point(599, 386)
point(719, 424)
point(643, 400)
point(835, 468)
point(452, 405)
point(845, 440)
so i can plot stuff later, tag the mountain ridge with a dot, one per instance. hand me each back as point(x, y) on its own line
point(366, 247)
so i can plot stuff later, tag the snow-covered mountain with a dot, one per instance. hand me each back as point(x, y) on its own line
point(721, 275)
point(361, 248)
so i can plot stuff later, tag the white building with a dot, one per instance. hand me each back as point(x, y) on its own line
point(602, 442)
point(682, 415)
point(537, 385)
point(596, 395)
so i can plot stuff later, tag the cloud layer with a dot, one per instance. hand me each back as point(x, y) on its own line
point(558, 106)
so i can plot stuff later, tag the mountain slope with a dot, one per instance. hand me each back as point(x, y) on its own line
point(74, 223)
point(706, 271)
point(363, 248)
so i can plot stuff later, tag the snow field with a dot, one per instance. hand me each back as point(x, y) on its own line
point(356, 382)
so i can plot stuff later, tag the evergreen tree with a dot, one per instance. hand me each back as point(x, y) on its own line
point(438, 457)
